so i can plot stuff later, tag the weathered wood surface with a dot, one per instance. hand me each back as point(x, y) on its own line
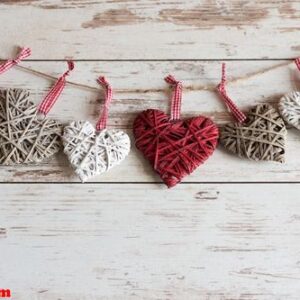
point(122, 240)
point(140, 85)
point(232, 241)
point(148, 29)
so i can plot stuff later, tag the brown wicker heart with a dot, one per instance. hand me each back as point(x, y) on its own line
point(260, 137)
point(23, 137)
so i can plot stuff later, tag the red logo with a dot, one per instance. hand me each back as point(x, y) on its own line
point(5, 293)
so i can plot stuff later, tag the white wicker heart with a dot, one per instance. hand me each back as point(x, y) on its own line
point(92, 153)
point(289, 108)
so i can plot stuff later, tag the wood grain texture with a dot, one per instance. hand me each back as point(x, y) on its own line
point(151, 29)
point(113, 239)
point(140, 85)
point(233, 241)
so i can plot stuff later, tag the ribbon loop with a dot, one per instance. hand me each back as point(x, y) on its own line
point(176, 98)
point(239, 116)
point(24, 52)
point(101, 124)
point(297, 62)
point(70, 68)
point(55, 91)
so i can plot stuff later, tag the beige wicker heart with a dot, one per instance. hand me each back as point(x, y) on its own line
point(23, 137)
point(260, 137)
point(289, 108)
point(92, 153)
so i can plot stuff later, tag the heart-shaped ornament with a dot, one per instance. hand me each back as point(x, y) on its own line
point(289, 108)
point(24, 138)
point(174, 148)
point(92, 153)
point(260, 137)
point(289, 105)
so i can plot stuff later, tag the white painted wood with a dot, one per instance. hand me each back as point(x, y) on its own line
point(151, 29)
point(140, 85)
point(142, 241)
point(230, 241)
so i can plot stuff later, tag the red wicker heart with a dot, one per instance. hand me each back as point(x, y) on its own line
point(175, 148)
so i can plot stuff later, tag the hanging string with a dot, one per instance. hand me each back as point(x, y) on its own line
point(55, 91)
point(176, 98)
point(239, 116)
point(101, 124)
point(24, 52)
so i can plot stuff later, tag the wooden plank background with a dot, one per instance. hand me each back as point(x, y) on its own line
point(152, 29)
point(229, 231)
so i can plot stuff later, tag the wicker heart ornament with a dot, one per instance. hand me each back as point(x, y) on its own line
point(289, 105)
point(94, 151)
point(25, 137)
point(258, 136)
point(289, 108)
point(174, 147)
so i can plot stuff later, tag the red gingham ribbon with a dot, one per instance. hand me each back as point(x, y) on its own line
point(24, 52)
point(55, 91)
point(176, 98)
point(101, 124)
point(297, 62)
point(240, 117)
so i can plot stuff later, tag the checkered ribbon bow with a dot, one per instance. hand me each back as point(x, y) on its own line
point(176, 98)
point(55, 92)
point(101, 124)
point(297, 62)
point(24, 52)
point(239, 116)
